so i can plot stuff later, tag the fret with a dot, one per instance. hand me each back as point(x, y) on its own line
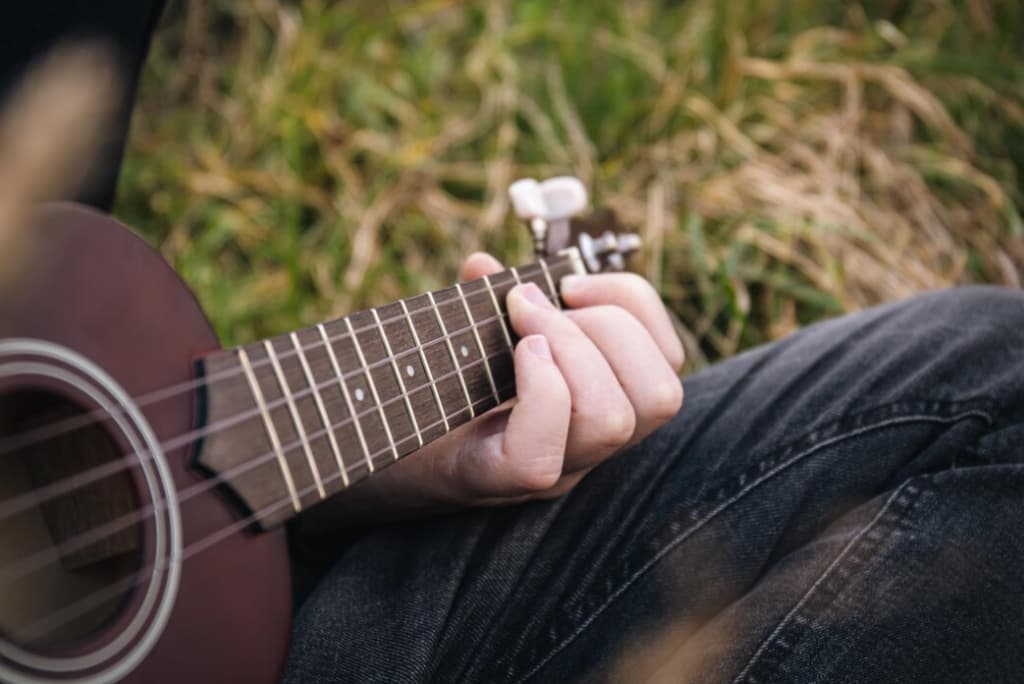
point(357, 345)
point(342, 399)
point(426, 365)
point(500, 314)
point(356, 421)
point(416, 390)
point(296, 418)
point(492, 332)
point(454, 358)
point(398, 377)
point(381, 371)
point(555, 299)
point(468, 355)
point(257, 394)
point(355, 375)
point(300, 428)
point(501, 284)
point(559, 268)
point(544, 276)
point(321, 408)
point(479, 342)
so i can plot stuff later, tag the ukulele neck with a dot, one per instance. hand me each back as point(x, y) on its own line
point(294, 419)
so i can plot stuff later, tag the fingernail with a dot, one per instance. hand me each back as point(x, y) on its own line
point(571, 284)
point(535, 296)
point(538, 346)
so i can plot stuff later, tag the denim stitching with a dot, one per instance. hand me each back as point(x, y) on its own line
point(508, 664)
point(468, 665)
point(773, 638)
point(668, 547)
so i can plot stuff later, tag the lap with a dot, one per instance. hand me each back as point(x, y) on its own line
point(718, 548)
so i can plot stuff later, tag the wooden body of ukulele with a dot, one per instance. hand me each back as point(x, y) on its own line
point(91, 296)
point(145, 473)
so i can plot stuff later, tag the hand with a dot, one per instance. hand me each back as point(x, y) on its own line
point(590, 381)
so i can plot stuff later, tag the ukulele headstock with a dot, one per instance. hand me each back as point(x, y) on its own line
point(551, 210)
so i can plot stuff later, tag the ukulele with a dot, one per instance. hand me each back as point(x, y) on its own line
point(145, 473)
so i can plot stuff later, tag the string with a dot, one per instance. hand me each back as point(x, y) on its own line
point(75, 422)
point(89, 537)
point(55, 619)
point(56, 428)
point(14, 571)
point(36, 497)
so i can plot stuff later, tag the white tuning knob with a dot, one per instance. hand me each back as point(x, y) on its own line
point(564, 196)
point(528, 199)
point(546, 208)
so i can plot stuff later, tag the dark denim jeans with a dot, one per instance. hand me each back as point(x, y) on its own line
point(846, 505)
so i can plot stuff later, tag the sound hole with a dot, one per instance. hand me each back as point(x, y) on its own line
point(61, 581)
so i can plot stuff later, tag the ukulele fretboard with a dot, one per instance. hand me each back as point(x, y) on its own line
point(296, 418)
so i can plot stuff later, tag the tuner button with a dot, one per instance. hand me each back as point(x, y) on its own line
point(589, 254)
point(528, 199)
point(564, 196)
point(629, 243)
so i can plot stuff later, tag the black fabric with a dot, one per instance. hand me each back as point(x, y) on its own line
point(842, 506)
point(28, 30)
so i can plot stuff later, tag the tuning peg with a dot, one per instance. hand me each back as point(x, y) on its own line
point(629, 243)
point(547, 207)
point(528, 199)
point(564, 197)
point(607, 252)
point(528, 202)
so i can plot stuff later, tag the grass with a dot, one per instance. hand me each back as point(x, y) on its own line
point(784, 160)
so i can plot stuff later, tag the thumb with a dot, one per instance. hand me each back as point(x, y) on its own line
point(528, 457)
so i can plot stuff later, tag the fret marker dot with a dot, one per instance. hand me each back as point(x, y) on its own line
point(463, 351)
point(359, 394)
point(410, 371)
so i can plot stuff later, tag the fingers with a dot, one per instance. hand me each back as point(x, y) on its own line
point(602, 416)
point(588, 381)
point(635, 295)
point(527, 455)
point(650, 383)
point(477, 265)
point(616, 355)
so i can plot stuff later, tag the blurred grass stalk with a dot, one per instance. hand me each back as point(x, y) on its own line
point(784, 160)
point(51, 128)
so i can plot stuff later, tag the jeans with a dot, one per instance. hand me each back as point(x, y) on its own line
point(845, 505)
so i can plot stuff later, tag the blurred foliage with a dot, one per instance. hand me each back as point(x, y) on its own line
point(785, 160)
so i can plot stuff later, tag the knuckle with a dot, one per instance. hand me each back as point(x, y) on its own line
point(676, 358)
point(667, 400)
point(613, 316)
point(615, 425)
point(639, 287)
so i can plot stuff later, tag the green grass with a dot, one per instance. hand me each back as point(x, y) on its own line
point(784, 161)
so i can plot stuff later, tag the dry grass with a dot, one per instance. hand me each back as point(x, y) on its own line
point(59, 112)
point(797, 160)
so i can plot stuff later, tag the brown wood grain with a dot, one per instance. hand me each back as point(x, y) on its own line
point(91, 286)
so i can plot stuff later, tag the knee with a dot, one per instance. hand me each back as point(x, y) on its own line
point(974, 316)
point(976, 306)
point(970, 337)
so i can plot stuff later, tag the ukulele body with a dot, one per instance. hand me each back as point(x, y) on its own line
point(85, 290)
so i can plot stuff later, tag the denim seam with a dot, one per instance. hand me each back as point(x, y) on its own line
point(509, 664)
point(800, 456)
point(559, 506)
point(774, 640)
